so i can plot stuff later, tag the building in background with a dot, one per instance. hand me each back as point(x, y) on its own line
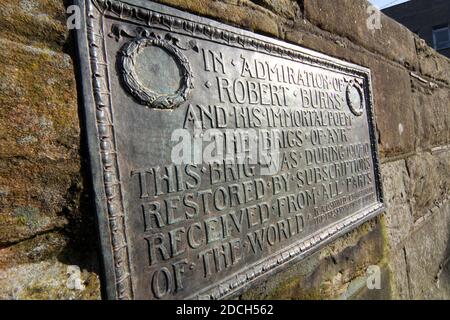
point(429, 19)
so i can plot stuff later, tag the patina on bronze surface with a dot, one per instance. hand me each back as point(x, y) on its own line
point(208, 230)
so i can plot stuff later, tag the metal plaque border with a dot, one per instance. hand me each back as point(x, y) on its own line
point(99, 127)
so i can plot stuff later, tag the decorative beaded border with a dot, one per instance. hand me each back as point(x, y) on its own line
point(96, 10)
point(234, 283)
point(105, 130)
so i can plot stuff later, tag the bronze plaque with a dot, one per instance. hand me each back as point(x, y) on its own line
point(218, 156)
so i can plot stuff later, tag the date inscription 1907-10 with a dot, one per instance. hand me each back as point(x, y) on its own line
point(218, 156)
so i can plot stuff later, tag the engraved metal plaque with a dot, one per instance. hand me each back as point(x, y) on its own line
point(218, 156)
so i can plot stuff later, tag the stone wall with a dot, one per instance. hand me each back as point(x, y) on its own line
point(48, 247)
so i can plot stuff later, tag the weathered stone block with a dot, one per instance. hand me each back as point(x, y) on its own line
point(399, 274)
point(39, 115)
point(40, 23)
point(394, 108)
point(430, 181)
point(396, 183)
point(48, 280)
point(393, 101)
point(397, 219)
point(432, 117)
point(349, 19)
point(427, 256)
point(303, 33)
point(39, 144)
point(284, 8)
point(244, 14)
point(431, 63)
point(39, 248)
point(25, 222)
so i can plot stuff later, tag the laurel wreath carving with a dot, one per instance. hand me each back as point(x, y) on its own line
point(147, 96)
point(357, 110)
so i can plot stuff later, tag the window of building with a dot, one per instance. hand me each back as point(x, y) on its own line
point(441, 37)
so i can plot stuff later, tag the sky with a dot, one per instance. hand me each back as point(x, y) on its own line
point(381, 4)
